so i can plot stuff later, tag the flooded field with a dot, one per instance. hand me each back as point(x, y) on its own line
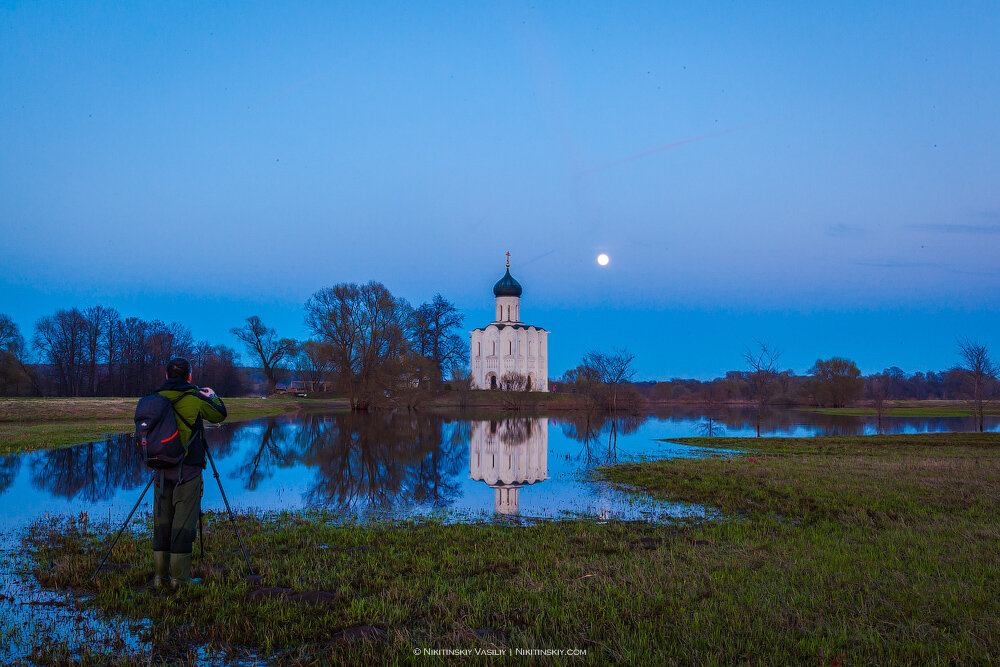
point(372, 466)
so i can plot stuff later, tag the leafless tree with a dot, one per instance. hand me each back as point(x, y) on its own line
point(99, 321)
point(265, 347)
point(513, 386)
point(314, 361)
point(878, 388)
point(461, 377)
point(61, 339)
point(434, 337)
point(9, 332)
point(762, 375)
point(366, 328)
point(514, 381)
point(611, 370)
point(980, 378)
point(711, 400)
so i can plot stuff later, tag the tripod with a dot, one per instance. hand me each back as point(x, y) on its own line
point(232, 519)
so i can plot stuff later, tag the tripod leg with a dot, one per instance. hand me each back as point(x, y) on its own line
point(232, 519)
point(122, 529)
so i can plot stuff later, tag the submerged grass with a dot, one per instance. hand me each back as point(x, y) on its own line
point(874, 550)
point(41, 423)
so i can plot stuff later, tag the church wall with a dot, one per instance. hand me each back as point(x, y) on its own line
point(521, 350)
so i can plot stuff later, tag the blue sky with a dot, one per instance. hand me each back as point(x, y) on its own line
point(829, 181)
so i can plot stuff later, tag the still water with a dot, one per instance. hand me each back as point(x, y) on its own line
point(406, 465)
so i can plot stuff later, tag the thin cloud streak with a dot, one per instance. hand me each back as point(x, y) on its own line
point(957, 229)
point(675, 144)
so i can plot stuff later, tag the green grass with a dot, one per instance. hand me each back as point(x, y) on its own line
point(42, 423)
point(847, 550)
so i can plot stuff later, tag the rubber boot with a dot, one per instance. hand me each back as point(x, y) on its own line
point(180, 571)
point(161, 568)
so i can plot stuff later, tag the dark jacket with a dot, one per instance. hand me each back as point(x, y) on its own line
point(194, 407)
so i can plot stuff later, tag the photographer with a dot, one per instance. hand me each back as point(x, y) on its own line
point(177, 499)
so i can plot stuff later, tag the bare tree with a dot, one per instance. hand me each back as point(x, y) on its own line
point(314, 361)
point(264, 346)
point(514, 381)
point(762, 375)
point(878, 392)
point(61, 338)
point(611, 370)
point(513, 386)
point(711, 400)
point(8, 331)
point(366, 328)
point(434, 336)
point(980, 377)
point(99, 320)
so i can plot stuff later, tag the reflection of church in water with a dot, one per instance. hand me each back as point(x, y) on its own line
point(508, 455)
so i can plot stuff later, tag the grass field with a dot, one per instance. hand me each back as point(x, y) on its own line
point(40, 423)
point(839, 550)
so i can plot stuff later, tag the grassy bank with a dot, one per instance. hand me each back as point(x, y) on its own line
point(932, 408)
point(41, 423)
point(505, 400)
point(873, 550)
point(882, 549)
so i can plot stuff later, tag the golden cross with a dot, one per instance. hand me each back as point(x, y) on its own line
point(508, 259)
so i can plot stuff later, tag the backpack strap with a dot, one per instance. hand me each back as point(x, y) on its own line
point(180, 464)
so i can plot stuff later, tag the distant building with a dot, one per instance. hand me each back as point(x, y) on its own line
point(509, 455)
point(507, 344)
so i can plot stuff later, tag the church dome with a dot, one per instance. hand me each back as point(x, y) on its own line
point(507, 286)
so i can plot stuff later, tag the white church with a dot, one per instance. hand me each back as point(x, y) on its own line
point(508, 344)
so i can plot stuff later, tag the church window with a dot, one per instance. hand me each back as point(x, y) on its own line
point(494, 347)
point(479, 348)
point(510, 347)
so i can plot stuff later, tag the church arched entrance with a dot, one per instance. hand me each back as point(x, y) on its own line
point(493, 381)
point(528, 386)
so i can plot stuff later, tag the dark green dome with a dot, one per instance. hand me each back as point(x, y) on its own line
point(507, 286)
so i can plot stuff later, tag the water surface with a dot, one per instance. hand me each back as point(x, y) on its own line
point(403, 464)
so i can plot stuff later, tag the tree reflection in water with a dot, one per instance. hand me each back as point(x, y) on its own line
point(96, 470)
point(380, 461)
point(93, 471)
point(588, 429)
point(9, 467)
point(267, 457)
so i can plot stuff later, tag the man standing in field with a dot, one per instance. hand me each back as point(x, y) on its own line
point(177, 500)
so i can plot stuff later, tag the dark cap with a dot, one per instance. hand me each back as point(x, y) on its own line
point(179, 368)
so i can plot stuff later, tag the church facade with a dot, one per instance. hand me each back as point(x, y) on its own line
point(508, 345)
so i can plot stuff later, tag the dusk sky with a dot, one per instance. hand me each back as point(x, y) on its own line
point(822, 176)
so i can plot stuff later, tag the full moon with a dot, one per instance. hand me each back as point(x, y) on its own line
point(603, 259)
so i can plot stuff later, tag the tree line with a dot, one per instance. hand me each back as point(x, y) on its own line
point(606, 381)
point(365, 342)
point(98, 352)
